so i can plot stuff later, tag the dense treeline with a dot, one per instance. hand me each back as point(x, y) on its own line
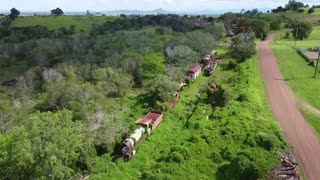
point(175, 22)
point(73, 102)
point(82, 93)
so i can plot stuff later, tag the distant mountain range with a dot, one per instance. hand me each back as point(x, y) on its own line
point(209, 12)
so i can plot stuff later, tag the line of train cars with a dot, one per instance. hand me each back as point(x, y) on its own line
point(150, 122)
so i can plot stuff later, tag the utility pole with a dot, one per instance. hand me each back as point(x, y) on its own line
point(316, 69)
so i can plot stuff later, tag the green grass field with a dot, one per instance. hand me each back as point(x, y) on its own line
point(55, 22)
point(312, 41)
point(313, 119)
point(315, 35)
point(316, 12)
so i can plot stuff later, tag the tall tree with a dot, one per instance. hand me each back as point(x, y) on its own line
point(294, 5)
point(243, 46)
point(152, 66)
point(57, 12)
point(14, 13)
point(115, 81)
point(301, 29)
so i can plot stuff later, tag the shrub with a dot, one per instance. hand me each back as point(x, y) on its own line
point(300, 10)
point(243, 46)
point(175, 157)
point(311, 10)
point(275, 25)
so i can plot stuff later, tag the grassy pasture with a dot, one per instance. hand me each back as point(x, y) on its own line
point(312, 41)
point(55, 22)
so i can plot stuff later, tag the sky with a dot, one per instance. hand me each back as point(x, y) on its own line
point(173, 5)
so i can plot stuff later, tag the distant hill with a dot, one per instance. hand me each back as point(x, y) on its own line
point(136, 12)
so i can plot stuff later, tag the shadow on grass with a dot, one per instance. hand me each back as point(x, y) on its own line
point(293, 78)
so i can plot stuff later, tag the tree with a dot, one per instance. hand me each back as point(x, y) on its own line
point(276, 24)
point(162, 88)
point(152, 66)
point(294, 5)
point(49, 145)
point(14, 13)
point(279, 9)
point(201, 42)
point(181, 55)
point(243, 46)
point(88, 13)
point(254, 12)
point(217, 29)
point(116, 81)
point(57, 12)
point(311, 10)
point(260, 27)
point(303, 28)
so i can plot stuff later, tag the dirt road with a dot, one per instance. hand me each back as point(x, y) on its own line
point(306, 146)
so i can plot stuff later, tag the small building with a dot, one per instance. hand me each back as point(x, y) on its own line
point(194, 72)
point(151, 120)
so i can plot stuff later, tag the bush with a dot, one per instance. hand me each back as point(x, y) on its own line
point(311, 10)
point(175, 157)
point(286, 35)
point(243, 46)
point(275, 25)
point(300, 10)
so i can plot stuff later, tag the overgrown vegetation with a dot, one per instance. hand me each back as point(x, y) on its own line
point(80, 93)
point(239, 140)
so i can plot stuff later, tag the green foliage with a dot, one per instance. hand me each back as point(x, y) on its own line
point(243, 46)
point(57, 12)
point(311, 10)
point(83, 86)
point(294, 5)
point(14, 13)
point(181, 55)
point(201, 42)
point(51, 148)
point(217, 30)
point(231, 144)
point(276, 25)
point(303, 29)
point(162, 88)
point(260, 27)
point(55, 22)
point(152, 66)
